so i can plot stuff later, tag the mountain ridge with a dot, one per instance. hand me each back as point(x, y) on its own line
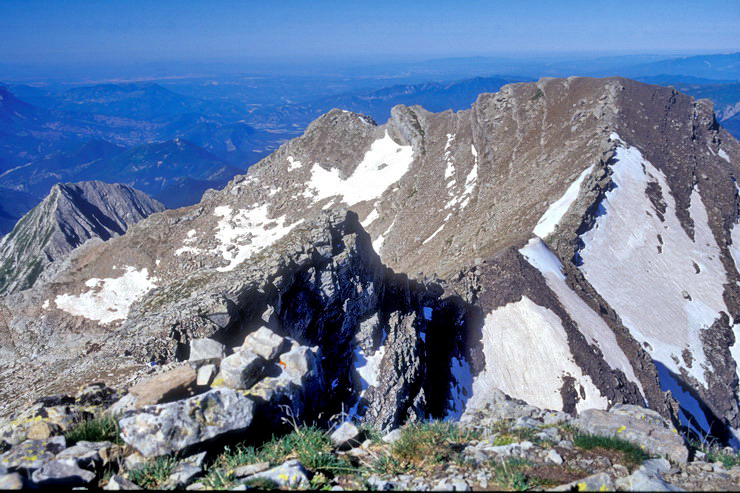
point(504, 204)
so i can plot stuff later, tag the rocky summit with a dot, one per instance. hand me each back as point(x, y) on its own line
point(70, 215)
point(540, 291)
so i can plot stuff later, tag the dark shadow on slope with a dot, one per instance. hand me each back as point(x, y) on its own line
point(698, 422)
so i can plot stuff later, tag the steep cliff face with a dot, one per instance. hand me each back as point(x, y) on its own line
point(576, 236)
point(71, 214)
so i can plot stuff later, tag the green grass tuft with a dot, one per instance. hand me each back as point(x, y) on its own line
point(434, 442)
point(104, 428)
point(153, 475)
point(633, 454)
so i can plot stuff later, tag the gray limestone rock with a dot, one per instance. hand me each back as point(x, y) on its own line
point(649, 477)
point(265, 343)
point(58, 473)
point(250, 469)
point(206, 350)
point(241, 370)
point(596, 482)
point(32, 454)
point(291, 474)
point(206, 374)
point(177, 426)
point(637, 425)
point(184, 474)
point(11, 481)
point(116, 483)
point(346, 436)
point(83, 454)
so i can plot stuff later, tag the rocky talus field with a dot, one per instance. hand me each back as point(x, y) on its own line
point(540, 292)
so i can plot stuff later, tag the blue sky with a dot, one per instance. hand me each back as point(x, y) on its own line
point(219, 30)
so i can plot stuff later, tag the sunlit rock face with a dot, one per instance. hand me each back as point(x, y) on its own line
point(568, 241)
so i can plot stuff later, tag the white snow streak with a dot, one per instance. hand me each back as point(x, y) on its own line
point(589, 323)
point(370, 218)
point(450, 169)
point(110, 299)
point(527, 355)
point(378, 243)
point(724, 155)
point(660, 297)
point(433, 235)
point(242, 234)
point(383, 165)
point(552, 216)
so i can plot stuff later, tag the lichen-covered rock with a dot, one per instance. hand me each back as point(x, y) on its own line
point(167, 428)
point(241, 370)
point(596, 482)
point(264, 342)
point(32, 454)
point(57, 473)
point(290, 474)
point(165, 387)
point(206, 350)
point(638, 425)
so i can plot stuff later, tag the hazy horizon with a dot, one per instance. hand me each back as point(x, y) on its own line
point(84, 32)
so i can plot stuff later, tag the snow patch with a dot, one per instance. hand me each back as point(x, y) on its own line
point(370, 218)
point(293, 164)
point(111, 298)
point(240, 235)
point(383, 165)
point(378, 242)
point(724, 155)
point(527, 355)
point(589, 323)
point(554, 214)
point(658, 294)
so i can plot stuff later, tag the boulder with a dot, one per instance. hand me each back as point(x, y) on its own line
point(241, 370)
point(84, 454)
point(265, 343)
point(596, 482)
point(250, 469)
point(206, 374)
point(648, 478)
point(62, 474)
point(32, 454)
point(206, 350)
point(117, 482)
point(176, 426)
point(184, 474)
point(11, 481)
point(165, 387)
point(346, 436)
point(638, 425)
point(290, 474)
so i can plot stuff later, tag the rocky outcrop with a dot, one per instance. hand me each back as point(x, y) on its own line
point(70, 215)
point(511, 216)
